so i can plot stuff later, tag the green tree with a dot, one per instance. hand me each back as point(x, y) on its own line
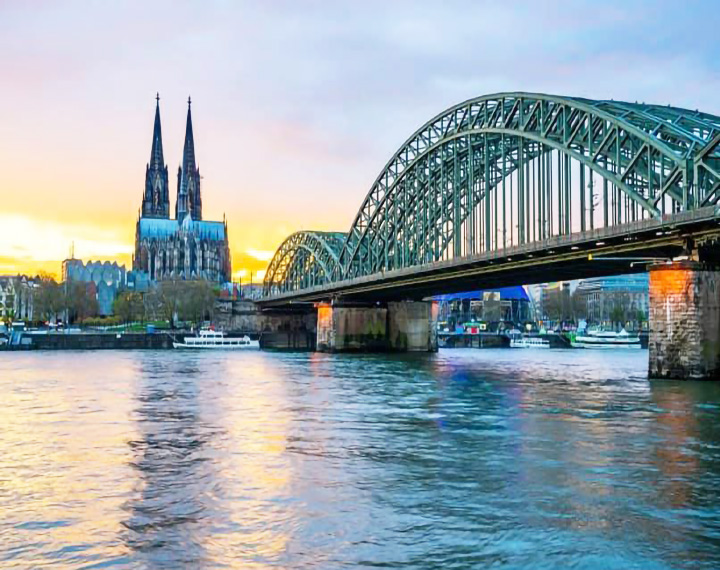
point(9, 316)
point(129, 307)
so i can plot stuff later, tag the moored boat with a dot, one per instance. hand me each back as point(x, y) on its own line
point(605, 339)
point(529, 342)
point(208, 339)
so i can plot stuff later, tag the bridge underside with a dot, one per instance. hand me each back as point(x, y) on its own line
point(607, 251)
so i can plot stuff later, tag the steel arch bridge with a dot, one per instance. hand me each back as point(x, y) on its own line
point(305, 259)
point(515, 172)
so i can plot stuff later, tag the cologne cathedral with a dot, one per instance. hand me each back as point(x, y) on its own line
point(185, 247)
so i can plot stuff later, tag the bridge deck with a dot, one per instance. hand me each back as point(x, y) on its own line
point(606, 251)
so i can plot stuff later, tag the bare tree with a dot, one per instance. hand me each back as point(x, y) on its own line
point(79, 301)
point(189, 301)
point(198, 301)
point(47, 297)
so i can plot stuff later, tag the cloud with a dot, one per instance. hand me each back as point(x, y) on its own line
point(261, 255)
point(26, 240)
point(297, 105)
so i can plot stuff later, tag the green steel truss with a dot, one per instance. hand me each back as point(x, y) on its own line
point(514, 168)
point(305, 259)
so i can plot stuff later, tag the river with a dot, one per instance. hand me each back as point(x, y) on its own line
point(253, 460)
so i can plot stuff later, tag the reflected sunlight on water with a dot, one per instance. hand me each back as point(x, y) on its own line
point(467, 458)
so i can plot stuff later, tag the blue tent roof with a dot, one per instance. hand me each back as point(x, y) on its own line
point(513, 293)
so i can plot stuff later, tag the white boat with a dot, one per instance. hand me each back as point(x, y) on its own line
point(208, 339)
point(529, 342)
point(606, 339)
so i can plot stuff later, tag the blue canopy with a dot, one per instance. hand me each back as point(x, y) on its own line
point(513, 293)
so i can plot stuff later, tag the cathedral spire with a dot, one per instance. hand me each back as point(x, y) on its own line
point(156, 155)
point(156, 200)
point(189, 146)
point(188, 197)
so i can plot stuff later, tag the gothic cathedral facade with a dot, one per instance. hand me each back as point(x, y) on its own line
point(186, 247)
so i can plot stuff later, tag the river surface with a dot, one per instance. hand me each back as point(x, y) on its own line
point(462, 459)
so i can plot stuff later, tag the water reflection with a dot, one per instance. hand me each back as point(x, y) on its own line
point(465, 459)
point(261, 504)
point(174, 493)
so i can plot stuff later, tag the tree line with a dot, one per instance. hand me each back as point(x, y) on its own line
point(171, 301)
point(51, 299)
point(564, 307)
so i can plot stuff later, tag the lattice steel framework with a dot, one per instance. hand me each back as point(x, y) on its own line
point(509, 169)
point(305, 259)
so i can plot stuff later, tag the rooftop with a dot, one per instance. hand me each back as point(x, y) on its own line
point(162, 228)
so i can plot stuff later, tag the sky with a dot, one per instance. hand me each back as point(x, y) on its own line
point(297, 105)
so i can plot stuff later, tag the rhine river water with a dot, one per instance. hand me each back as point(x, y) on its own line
point(462, 459)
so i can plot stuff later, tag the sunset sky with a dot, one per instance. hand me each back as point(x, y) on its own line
point(297, 105)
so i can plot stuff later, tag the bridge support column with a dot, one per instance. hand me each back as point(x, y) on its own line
point(400, 326)
point(684, 321)
point(351, 328)
point(412, 326)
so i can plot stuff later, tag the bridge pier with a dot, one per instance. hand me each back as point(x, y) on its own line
point(684, 321)
point(412, 326)
point(398, 326)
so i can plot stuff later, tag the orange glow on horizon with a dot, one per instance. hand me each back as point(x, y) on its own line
point(30, 246)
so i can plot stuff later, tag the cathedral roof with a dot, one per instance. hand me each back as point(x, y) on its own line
point(164, 228)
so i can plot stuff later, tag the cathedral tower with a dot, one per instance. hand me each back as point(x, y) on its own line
point(187, 247)
point(156, 200)
point(189, 200)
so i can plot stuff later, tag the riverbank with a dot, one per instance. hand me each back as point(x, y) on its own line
point(92, 341)
point(493, 340)
point(270, 340)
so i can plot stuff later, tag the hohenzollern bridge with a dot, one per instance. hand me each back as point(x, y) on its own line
point(520, 188)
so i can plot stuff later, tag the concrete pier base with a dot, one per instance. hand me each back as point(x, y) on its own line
point(684, 322)
point(400, 326)
point(277, 329)
point(351, 329)
point(412, 326)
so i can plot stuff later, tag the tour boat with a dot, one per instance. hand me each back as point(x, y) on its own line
point(605, 339)
point(529, 342)
point(217, 340)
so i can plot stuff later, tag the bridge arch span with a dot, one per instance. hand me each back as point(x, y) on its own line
point(511, 169)
point(304, 259)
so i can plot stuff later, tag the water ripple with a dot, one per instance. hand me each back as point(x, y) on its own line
point(464, 459)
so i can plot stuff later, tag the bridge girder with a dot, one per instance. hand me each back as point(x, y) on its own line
point(304, 259)
point(515, 168)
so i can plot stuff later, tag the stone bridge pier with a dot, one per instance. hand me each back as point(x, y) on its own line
point(684, 318)
point(404, 326)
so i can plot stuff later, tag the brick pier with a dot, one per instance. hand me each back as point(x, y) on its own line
point(684, 321)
